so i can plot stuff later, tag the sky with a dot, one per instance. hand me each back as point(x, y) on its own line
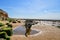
point(38, 9)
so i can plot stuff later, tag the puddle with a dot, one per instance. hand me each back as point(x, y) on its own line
point(21, 31)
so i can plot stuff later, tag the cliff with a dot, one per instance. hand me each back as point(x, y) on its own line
point(3, 13)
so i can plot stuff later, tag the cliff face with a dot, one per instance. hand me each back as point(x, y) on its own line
point(3, 14)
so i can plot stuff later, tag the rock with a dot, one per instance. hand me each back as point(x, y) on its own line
point(3, 13)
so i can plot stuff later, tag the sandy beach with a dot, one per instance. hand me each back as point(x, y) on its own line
point(48, 33)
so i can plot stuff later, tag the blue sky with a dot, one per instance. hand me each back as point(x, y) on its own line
point(39, 9)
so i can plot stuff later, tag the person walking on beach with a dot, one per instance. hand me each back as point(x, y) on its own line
point(28, 25)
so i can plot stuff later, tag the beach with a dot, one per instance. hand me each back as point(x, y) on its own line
point(48, 33)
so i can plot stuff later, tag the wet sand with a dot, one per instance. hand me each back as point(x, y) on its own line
point(20, 30)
